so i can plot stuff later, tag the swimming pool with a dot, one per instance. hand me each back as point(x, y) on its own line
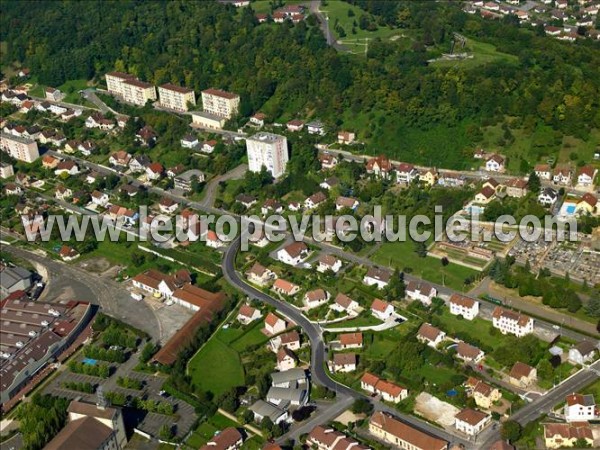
point(570, 209)
point(89, 361)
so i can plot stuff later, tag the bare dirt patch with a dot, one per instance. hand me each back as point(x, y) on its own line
point(435, 410)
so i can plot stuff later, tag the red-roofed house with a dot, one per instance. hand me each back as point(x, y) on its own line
point(274, 324)
point(463, 306)
point(247, 314)
point(382, 310)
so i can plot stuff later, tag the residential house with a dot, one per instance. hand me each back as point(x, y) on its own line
point(285, 397)
point(423, 292)
point(562, 175)
point(100, 198)
point(377, 277)
point(343, 363)
point(346, 137)
point(128, 216)
point(329, 262)
point(284, 287)
point(68, 253)
point(380, 166)
point(430, 335)
point(406, 173)
point(428, 177)
point(316, 298)
point(260, 275)
point(469, 353)
point(274, 324)
point(382, 310)
point(395, 432)
point(516, 187)
point(316, 127)
point(208, 146)
point(583, 352)
point(190, 141)
point(146, 136)
point(586, 175)
point(328, 161)
point(247, 200)
point(315, 200)
point(483, 394)
point(172, 172)
point(448, 179)
point(139, 163)
point(286, 359)
point(213, 240)
point(510, 322)
point(562, 435)
point(463, 306)
point(63, 192)
point(486, 195)
point(543, 171)
point(350, 340)
point(258, 119)
point(548, 196)
point(247, 314)
point(329, 183)
point(167, 205)
point(580, 408)
point(293, 254)
point(67, 166)
point(343, 303)
point(495, 163)
point(295, 125)
point(120, 158)
point(154, 171)
point(290, 340)
point(97, 120)
point(271, 206)
point(86, 148)
point(522, 375)
point(587, 205)
point(346, 202)
point(471, 422)
point(389, 391)
point(12, 189)
point(6, 170)
point(228, 439)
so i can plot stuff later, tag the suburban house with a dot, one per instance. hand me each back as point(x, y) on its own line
point(328, 161)
point(351, 340)
point(522, 375)
point(451, 180)
point(167, 205)
point(50, 162)
point(67, 253)
point(516, 187)
point(587, 205)
point(485, 195)
point(471, 422)
point(286, 397)
point(346, 202)
point(260, 275)
point(316, 127)
point(271, 206)
point(289, 379)
point(100, 198)
point(213, 240)
point(423, 292)
point(406, 173)
point(315, 200)
point(228, 439)
point(543, 171)
point(382, 310)
point(286, 359)
point(463, 306)
point(562, 175)
point(343, 362)
point(274, 324)
point(586, 175)
point(548, 196)
point(139, 163)
point(495, 163)
point(247, 200)
point(483, 394)
point(346, 137)
point(329, 262)
point(62, 192)
point(290, 340)
point(295, 125)
point(190, 141)
point(293, 254)
point(387, 428)
point(247, 314)
point(561, 435)
point(284, 287)
point(469, 353)
point(430, 335)
point(326, 438)
point(343, 303)
point(14, 189)
point(510, 322)
point(155, 171)
point(377, 277)
point(428, 177)
point(258, 119)
point(208, 146)
point(68, 167)
point(389, 391)
point(316, 298)
point(120, 158)
point(380, 166)
point(583, 352)
point(580, 408)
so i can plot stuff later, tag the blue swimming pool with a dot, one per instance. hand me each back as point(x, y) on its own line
point(570, 209)
point(89, 361)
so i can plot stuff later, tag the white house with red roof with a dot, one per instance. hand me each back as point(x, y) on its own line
point(463, 306)
point(247, 314)
point(406, 173)
point(329, 262)
point(274, 324)
point(316, 298)
point(285, 287)
point(581, 408)
point(343, 303)
point(293, 254)
point(586, 175)
point(382, 310)
point(495, 163)
point(430, 335)
point(421, 291)
point(471, 422)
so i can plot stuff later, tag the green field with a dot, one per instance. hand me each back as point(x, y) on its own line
point(480, 328)
point(216, 378)
point(358, 322)
point(437, 375)
point(402, 255)
point(207, 430)
point(482, 52)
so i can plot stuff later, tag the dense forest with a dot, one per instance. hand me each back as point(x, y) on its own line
point(288, 70)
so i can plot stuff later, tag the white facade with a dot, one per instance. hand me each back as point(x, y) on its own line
point(462, 306)
point(580, 408)
point(220, 103)
point(176, 97)
point(268, 150)
point(19, 148)
point(512, 323)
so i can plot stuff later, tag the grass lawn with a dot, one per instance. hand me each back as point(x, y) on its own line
point(482, 52)
point(380, 348)
point(476, 327)
point(437, 375)
point(207, 430)
point(216, 378)
point(251, 336)
point(358, 322)
point(402, 255)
